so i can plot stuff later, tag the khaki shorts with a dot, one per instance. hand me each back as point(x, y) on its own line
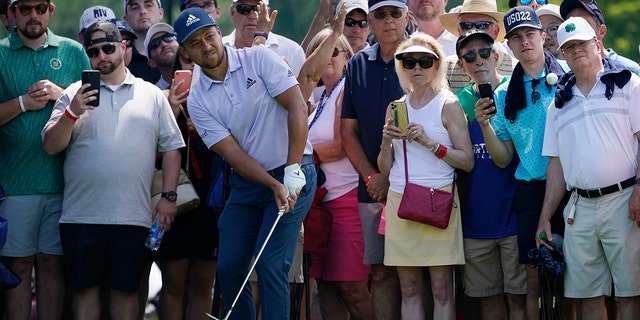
point(602, 244)
point(492, 267)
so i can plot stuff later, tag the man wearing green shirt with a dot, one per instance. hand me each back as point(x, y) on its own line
point(37, 66)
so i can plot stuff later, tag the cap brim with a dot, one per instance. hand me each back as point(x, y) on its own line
point(450, 22)
point(546, 12)
point(579, 37)
point(524, 25)
point(416, 49)
point(389, 3)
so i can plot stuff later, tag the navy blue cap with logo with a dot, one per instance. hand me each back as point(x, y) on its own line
point(521, 17)
point(191, 20)
point(591, 6)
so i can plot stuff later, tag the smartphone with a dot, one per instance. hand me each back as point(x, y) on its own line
point(487, 92)
point(400, 116)
point(92, 77)
point(182, 75)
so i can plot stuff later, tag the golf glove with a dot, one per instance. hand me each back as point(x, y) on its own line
point(294, 178)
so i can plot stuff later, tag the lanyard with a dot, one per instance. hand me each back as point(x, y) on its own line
point(323, 101)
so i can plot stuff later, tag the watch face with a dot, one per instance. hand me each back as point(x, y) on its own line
point(171, 196)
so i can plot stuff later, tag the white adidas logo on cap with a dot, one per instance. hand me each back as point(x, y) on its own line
point(191, 20)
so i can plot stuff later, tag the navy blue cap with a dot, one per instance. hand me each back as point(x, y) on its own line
point(471, 35)
point(375, 4)
point(123, 27)
point(190, 21)
point(591, 7)
point(520, 17)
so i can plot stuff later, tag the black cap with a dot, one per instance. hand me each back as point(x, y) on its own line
point(471, 35)
point(591, 6)
point(112, 34)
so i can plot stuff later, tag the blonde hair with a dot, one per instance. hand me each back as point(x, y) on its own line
point(439, 82)
point(343, 43)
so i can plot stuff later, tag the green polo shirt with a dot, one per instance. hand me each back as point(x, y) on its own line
point(24, 166)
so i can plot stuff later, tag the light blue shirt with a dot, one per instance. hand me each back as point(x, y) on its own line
point(243, 105)
point(527, 131)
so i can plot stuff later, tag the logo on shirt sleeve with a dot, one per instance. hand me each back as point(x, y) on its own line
point(289, 73)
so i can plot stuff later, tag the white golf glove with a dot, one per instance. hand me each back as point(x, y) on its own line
point(294, 178)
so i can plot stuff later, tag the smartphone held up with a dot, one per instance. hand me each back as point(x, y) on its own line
point(486, 91)
point(400, 116)
point(92, 77)
point(185, 77)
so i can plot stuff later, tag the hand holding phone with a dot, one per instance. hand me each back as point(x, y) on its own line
point(185, 77)
point(400, 116)
point(486, 91)
point(92, 77)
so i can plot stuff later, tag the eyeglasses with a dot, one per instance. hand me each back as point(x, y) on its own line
point(208, 7)
point(579, 45)
point(108, 48)
point(425, 62)
point(480, 25)
point(26, 9)
point(535, 95)
point(470, 56)
point(166, 38)
point(336, 52)
point(128, 43)
point(380, 15)
point(351, 23)
point(551, 31)
point(527, 2)
point(245, 9)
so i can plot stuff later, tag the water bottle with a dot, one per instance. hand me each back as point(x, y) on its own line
point(155, 235)
point(556, 244)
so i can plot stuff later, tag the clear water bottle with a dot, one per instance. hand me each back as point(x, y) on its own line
point(155, 235)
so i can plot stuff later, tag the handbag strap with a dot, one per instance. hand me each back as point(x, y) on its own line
point(406, 167)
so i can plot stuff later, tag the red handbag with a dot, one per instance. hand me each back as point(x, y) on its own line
point(424, 204)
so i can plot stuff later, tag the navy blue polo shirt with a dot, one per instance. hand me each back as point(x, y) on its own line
point(369, 86)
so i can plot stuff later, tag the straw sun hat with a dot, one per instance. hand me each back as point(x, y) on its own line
point(487, 7)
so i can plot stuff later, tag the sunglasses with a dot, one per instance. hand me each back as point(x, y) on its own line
point(480, 25)
point(108, 48)
point(360, 23)
point(425, 62)
point(166, 38)
point(535, 95)
point(527, 2)
point(245, 9)
point(470, 56)
point(26, 9)
point(336, 52)
point(380, 15)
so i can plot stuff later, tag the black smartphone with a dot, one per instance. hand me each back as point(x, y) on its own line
point(487, 92)
point(92, 77)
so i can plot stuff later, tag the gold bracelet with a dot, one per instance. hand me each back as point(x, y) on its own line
point(435, 147)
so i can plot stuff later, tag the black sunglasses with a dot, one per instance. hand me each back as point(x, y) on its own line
point(336, 52)
point(352, 22)
point(425, 62)
point(380, 15)
point(108, 48)
point(470, 56)
point(535, 95)
point(166, 38)
point(245, 9)
point(26, 9)
point(480, 25)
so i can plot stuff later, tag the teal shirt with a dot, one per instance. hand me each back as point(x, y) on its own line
point(527, 131)
point(468, 98)
point(25, 167)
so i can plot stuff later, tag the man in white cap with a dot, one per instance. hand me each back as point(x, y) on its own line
point(162, 50)
point(141, 15)
point(427, 13)
point(37, 65)
point(244, 14)
point(480, 15)
point(90, 16)
point(356, 24)
point(591, 138)
point(370, 85)
point(550, 19)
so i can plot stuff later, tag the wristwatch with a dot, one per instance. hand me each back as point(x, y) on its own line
point(261, 34)
point(171, 196)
